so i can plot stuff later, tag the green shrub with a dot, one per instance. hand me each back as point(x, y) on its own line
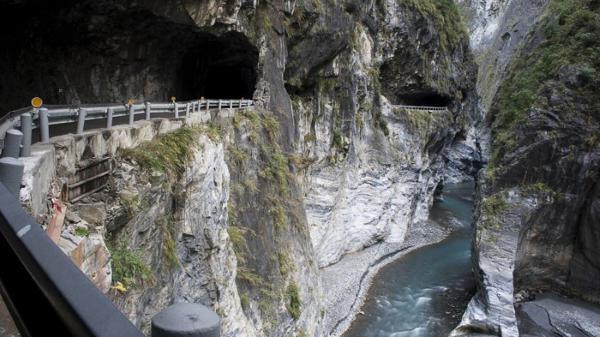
point(237, 235)
point(494, 205)
point(128, 266)
point(82, 231)
point(168, 153)
point(250, 277)
point(286, 265)
point(245, 301)
point(293, 301)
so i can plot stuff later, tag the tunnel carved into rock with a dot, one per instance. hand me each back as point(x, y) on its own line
point(218, 67)
point(73, 52)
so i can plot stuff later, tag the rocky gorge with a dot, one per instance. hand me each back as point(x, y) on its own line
point(278, 216)
point(537, 206)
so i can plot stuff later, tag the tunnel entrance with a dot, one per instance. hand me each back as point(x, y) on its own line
point(221, 67)
point(424, 99)
point(87, 51)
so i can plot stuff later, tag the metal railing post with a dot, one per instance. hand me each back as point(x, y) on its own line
point(26, 126)
point(148, 111)
point(44, 127)
point(207, 104)
point(109, 117)
point(81, 120)
point(11, 174)
point(187, 110)
point(186, 319)
point(176, 109)
point(12, 143)
point(131, 115)
point(220, 104)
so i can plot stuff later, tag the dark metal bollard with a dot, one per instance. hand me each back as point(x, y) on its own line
point(26, 126)
point(186, 319)
point(11, 174)
point(44, 128)
point(12, 143)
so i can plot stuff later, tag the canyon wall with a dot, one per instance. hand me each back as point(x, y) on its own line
point(537, 211)
point(370, 169)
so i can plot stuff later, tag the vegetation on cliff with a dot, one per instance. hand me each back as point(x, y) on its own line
point(128, 265)
point(264, 217)
point(571, 31)
point(446, 18)
point(170, 153)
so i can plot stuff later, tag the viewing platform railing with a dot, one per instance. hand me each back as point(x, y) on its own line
point(421, 108)
point(28, 119)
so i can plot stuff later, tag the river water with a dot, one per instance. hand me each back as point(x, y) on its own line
point(425, 292)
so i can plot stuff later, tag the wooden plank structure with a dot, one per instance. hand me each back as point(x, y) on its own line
point(92, 176)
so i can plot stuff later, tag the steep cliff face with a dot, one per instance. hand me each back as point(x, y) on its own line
point(234, 229)
point(206, 214)
point(277, 278)
point(369, 168)
point(537, 212)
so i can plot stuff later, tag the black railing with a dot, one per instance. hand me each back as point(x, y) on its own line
point(46, 294)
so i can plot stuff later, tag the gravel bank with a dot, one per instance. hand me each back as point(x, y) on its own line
point(346, 283)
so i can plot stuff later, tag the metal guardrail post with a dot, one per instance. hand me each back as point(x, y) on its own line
point(44, 127)
point(131, 115)
point(109, 117)
point(11, 174)
point(187, 110)
point(176, 109)
point(26, 125)
point(220, 103)
point(148, 106)
point(186, 320)
point(81, 120)
point(207, 104)
point(12, 143)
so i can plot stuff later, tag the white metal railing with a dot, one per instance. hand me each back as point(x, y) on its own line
point(29, 119)
point(420, 107)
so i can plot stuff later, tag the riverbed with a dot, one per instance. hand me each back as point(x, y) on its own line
point(425, 292)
